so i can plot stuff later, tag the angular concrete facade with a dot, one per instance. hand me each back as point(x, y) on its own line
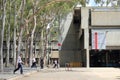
point(93, 31)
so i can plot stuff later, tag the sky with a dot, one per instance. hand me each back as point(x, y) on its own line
point(92, 3)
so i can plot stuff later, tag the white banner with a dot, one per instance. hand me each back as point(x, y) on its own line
point(98, 39)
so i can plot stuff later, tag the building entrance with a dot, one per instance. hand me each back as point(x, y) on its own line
point(105, 58)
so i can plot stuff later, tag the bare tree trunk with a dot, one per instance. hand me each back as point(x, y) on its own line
point(8, 46)
point(32, 34)
point(42, 42)
point(26, 52)
point(21, 27)
point(31, 44)
point(15, 24)
point(2, 33)
point(27, 45)
point(8, 35)
point(20, 41)
point(14, 52)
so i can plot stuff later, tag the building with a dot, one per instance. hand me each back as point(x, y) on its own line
point(90, 38)
point(54, 54)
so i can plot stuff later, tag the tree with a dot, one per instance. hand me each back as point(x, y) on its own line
point(28, 18)
point(2, 32)
point(8, 35)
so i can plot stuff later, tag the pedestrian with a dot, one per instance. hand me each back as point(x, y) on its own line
point(41, 63)
point(19, 65)
point(55, 64)
point(33, 63)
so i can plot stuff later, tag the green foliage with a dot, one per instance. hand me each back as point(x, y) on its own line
point(46, 11)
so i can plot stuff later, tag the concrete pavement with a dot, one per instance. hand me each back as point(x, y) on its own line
point(8, 73)
point(76, 74)
point(63, 74)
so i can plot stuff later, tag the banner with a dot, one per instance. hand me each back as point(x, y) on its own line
point(98, 39)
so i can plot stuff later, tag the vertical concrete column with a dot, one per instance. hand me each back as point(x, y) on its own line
point(86, 39)
point(85, 26)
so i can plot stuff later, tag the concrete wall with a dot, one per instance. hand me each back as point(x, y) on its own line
point(105, 18)
point(68, 47)
point(69, 50)
point(73, 44)
point(84, 17)
point(65, 25)
point(113, 39)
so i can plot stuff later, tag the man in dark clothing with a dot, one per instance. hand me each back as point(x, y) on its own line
point(41, 63)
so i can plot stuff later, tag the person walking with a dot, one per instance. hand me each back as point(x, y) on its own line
point(55, 64)
point(19, 65)
point(41, 63)
point(34, 63)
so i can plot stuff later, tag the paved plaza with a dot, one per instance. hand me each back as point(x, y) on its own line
point(63, 74)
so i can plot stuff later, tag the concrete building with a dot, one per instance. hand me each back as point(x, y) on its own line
point(54, 55)
point(90, 38)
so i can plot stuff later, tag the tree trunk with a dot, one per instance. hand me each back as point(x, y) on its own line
point(27, 45)
point(26, 52)
point(42, 42)
point(15, 24)
point(14, 52)
point(31, 44)
point(21, 28)
point(8, 46)
point(2, 34)
point(32, 34)
point(8, 35)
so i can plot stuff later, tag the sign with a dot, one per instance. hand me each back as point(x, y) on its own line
point(59, 46)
